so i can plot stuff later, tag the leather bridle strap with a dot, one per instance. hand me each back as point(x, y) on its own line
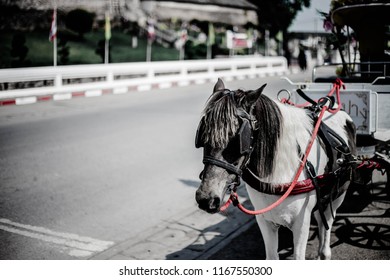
point(225, 165)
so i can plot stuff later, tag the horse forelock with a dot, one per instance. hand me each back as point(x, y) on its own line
point(220, 116)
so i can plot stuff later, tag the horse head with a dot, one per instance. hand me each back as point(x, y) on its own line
point(226, 132)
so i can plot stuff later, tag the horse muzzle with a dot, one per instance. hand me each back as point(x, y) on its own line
point(207, 201)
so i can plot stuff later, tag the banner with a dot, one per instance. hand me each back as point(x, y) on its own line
point(151, 32)
point(211, 39)
point(107, 27)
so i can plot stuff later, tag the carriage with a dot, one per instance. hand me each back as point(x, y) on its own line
point(367, 82)
point(298, 156)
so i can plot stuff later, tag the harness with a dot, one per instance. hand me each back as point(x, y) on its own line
point(333, 143)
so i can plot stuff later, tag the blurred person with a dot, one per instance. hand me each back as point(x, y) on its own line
point(302, 61)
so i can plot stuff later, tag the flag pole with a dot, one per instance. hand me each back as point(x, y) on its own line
point(107, 35)
point(55, 51)
point(210, 41)
point(183, 40)
point(149, 51)
point(151, 36)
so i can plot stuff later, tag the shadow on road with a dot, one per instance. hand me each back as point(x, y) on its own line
point(361, 231)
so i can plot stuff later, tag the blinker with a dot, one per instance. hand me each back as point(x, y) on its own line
point(198, 136)
point(244, 135)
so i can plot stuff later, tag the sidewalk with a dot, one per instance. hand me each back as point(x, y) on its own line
point(192, 235)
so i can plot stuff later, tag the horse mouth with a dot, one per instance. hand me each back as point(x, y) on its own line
point(210, 211)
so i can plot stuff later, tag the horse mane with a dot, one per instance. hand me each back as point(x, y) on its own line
point(220, 115)
point(269, 124)
point(221, 123)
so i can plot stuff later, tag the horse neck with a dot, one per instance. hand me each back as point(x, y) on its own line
point(276, 155)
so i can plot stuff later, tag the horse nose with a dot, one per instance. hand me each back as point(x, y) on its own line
point(209, 204)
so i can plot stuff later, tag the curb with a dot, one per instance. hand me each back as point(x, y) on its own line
point(117, 90)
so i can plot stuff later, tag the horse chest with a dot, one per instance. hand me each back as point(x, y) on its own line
point(292, 209)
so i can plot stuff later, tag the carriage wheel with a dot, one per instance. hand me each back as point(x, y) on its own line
point(384, 150)
point(386, 168)
point(367, 235)
point(388, 182)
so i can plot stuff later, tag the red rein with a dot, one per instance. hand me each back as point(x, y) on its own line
point(234, 197)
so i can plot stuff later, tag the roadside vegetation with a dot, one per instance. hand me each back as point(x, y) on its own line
point(39, 51)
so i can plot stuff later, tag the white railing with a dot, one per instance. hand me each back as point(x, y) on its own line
point(120, 77)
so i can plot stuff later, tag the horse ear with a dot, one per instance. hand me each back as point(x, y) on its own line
point(253, 95)
point(219, 86)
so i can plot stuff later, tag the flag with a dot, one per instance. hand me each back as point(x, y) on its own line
point(183, 36)
point(53, 29)
point(211, 39)
point(151, 32)
point(108, 27)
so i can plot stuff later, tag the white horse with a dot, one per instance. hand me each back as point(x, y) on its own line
point(247, 135)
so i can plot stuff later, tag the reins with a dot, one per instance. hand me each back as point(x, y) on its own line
point(322, 105)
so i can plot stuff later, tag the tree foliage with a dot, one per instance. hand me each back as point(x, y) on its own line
point(277, 15)
point(19, 51)
point(79, 21)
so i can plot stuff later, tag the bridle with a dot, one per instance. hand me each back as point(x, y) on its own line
point(246, 137)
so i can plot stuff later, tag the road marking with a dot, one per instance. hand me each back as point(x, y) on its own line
point(75, 245)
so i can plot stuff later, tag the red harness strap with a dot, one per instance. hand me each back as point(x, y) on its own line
point(303, 186)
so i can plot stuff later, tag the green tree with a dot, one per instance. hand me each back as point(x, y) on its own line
point(63, 51)
point(79, 21)
point(19, 51)
point(277, 15)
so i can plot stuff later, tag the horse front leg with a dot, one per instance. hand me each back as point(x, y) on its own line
point(324, 251)
point(301, 230)
point(269, 231)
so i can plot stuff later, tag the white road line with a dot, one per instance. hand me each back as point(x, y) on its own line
point(77, 245)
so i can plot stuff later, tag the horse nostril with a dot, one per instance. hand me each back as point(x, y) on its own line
point(208, 203)
point(214, 204)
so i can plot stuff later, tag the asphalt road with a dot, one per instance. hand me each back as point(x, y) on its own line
point(80, 176)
